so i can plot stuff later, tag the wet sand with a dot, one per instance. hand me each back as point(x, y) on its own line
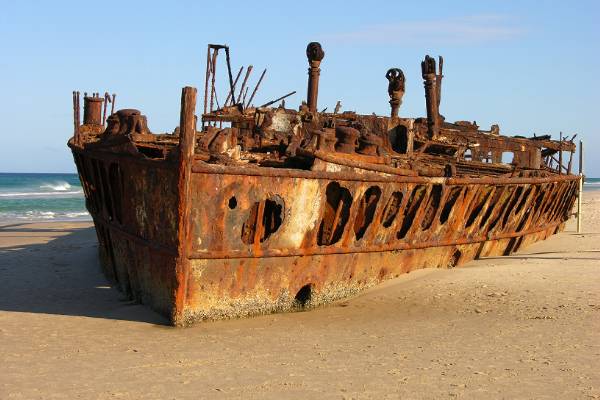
point(525, 326)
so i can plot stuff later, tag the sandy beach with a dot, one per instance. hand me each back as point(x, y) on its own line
point(519, 327)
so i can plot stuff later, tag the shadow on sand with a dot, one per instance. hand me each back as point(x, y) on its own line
point(550, 255)
point(61, 277)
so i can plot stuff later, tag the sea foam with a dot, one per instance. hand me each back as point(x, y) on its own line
point(58, 186)
point(40, 194)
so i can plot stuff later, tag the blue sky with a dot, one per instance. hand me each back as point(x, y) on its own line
point(530, 66)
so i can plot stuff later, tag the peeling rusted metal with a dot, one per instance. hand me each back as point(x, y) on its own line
point(272, 209)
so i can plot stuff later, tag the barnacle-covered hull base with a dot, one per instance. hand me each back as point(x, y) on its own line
point(282, 209)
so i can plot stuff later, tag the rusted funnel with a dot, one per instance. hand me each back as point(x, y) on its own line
point(315, 54)
point(92, 110)
point(428, 70)
point(396, 79)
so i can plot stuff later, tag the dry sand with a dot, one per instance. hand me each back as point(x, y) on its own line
point(525, 326)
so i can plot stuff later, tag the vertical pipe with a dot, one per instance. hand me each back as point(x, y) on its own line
point(112, 105)
point(428, 71)
point(570, 163)
point(207, 77)
point(229, 70)
point(315, 54)
point(106, 100)
point(560, 155)
point(78, 117)
point(579, 201)
point(438, 83)
point(214, 75)
point(187, 141)
point(75, 120)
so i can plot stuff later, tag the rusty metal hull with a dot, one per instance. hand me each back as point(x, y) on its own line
point(250, 210)
point(228, 288)
point(137, 239)
point(275, 239)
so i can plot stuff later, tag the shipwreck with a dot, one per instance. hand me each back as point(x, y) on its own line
point(249, 209)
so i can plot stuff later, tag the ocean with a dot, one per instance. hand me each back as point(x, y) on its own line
point(41, 197)
point(59, 197)
point(591, 184)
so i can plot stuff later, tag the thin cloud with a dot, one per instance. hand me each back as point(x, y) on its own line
point(468, 30)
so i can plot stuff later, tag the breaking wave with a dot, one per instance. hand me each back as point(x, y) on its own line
point(40, 194)
point(41, 197)
point(58, 186)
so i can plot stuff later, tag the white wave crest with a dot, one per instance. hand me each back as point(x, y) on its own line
point(77, 214)
point(37, 215)
point(40, 194)
point(58, 186)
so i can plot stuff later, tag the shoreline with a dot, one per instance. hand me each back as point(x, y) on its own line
point(44, 221)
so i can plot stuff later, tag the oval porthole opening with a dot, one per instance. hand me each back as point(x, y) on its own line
point(264, 219)
point(366, 211)
point(232, 202)
point(335, 215)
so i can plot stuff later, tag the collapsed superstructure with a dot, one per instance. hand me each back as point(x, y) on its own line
point(251, 210)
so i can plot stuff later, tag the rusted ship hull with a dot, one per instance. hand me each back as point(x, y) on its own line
point(232, 266)
point(262, 209)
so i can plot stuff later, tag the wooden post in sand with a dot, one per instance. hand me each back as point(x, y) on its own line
point(580, 186)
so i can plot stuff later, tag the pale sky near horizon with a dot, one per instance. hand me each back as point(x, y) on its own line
point(530, 66)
